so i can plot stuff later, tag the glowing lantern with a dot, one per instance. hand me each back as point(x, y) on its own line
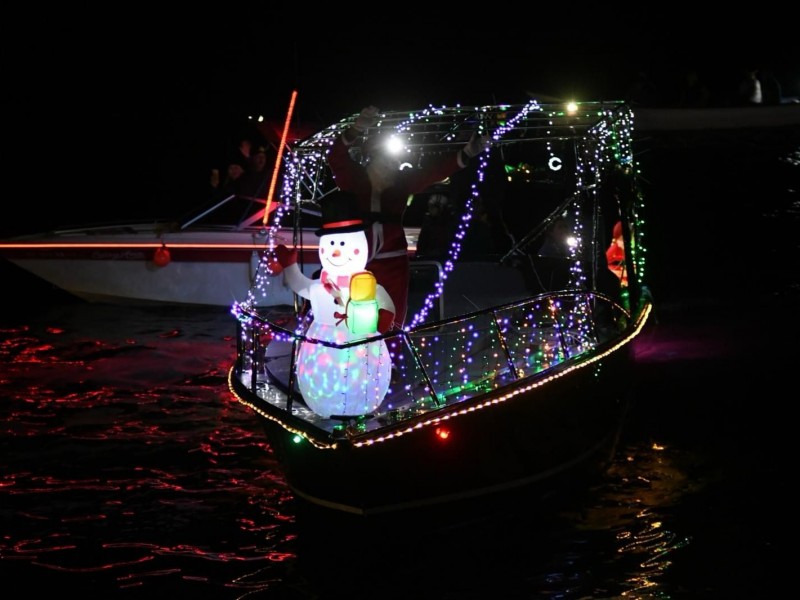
point(362, 309)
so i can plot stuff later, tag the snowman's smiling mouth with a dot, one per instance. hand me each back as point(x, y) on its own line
point(338, 264)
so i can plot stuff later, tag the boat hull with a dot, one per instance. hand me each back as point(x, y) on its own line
point(136, 279)
point(120, 265)
point(532, 434)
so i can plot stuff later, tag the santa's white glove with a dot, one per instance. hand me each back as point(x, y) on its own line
point(366, 118)
point(476, 144)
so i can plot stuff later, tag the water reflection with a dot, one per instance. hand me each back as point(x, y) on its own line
point(127, 463)
point(130, 467)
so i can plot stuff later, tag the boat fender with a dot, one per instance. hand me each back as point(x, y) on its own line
point(161, 256)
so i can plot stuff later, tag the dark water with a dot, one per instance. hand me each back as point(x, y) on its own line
point(128, 469)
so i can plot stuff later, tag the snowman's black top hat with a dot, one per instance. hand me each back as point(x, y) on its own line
point(340, 214)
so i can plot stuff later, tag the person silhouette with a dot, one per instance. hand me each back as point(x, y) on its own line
point(749, 92)
point(255, 179)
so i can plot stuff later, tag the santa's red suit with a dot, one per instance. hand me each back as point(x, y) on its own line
point(387, 240)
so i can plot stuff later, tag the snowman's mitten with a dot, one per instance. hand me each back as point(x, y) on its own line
point(285, 256)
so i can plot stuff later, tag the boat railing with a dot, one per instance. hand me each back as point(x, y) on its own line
point(239, 212)
point(443, 363)
point(201, 215)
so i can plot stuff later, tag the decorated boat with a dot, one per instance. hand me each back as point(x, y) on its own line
point(514, 366)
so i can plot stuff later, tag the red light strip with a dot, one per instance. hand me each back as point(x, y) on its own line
point(65, 246)
point(280, 154)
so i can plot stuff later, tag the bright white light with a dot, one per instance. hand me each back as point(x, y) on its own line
point(572, 241)
point(395, 145)
point(572, 108)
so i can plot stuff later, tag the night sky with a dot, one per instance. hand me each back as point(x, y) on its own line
point(126, 110)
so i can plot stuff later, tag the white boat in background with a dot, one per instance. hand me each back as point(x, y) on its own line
point(208, 259)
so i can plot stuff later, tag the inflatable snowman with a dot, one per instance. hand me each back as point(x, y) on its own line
point(346, 305)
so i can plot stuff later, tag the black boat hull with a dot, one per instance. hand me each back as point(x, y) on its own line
point(518, 437)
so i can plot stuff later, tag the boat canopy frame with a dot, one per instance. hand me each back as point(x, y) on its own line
point(591, 137)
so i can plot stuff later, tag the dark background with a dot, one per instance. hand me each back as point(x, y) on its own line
point(122, 111)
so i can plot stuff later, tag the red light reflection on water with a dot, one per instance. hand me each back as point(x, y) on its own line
point(125, 449)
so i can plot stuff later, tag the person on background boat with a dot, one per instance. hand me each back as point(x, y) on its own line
point(221, 187)
point(383, 191)
point(231, 179)
point(243, 152)
point(750, 88)
point(255, 179)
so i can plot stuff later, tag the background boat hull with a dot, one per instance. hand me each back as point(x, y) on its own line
point(208, 277)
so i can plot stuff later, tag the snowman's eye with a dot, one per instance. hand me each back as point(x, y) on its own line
point(341, 243)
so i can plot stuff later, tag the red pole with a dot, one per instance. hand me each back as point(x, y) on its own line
point(282, 145)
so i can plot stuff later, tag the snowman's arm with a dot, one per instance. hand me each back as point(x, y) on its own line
point(298, 282)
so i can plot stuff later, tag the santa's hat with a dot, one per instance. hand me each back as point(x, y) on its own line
point(340, 214)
